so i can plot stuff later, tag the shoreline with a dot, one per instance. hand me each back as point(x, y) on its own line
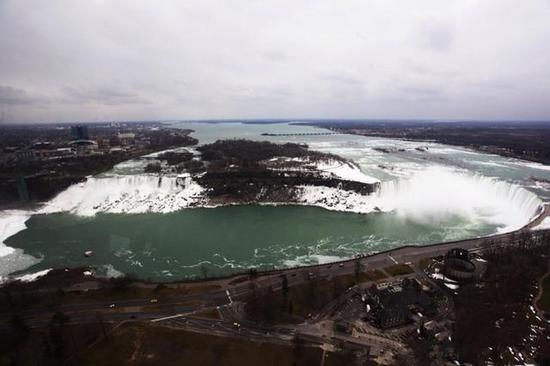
point(471, 244)
point(531, 226)
point(474, 148)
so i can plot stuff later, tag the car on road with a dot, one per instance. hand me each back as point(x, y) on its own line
point(153, 301)
point(112, 306)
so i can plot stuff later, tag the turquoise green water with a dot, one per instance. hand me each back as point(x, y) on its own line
point(439, 193)
point(221, 240)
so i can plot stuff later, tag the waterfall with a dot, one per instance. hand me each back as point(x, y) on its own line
point(427, 197)
point(439, 191)
point(126, 194)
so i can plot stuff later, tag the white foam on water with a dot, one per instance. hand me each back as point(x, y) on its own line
point(443, 149)
point(109, 271)
point(492, 163)
point(533, 165)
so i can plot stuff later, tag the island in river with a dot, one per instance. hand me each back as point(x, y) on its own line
point(240, 171)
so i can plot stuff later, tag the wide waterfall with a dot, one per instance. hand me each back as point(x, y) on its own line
point(436, 192)
point(126, 194)
point(427, 196)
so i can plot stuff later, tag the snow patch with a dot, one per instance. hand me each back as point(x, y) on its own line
point(32, 276)
point(544, 225)
point(11, 222)
point(345, 171)
point(13, 260)
point(335, 199)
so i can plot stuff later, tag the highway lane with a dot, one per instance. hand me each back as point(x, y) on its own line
point(378, 261)
point(229, 329)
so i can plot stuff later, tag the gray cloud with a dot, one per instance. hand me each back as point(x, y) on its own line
point(436, 35)
point(421, 90)
point(9, 95)
point(103, 95)
point(137, 59)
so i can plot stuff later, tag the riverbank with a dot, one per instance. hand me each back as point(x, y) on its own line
point(520, 140)
point(39, 163)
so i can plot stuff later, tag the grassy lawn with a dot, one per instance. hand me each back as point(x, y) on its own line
point(424, 263)
point(142, 344)
point(210, 314)
point(18, 297)
point(302, 300)
point(398, 270)
point(372, 275)
point(544, 301)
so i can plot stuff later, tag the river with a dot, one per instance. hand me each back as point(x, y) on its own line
point(429, 192)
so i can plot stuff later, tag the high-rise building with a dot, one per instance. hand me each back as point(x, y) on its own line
point(80, 132)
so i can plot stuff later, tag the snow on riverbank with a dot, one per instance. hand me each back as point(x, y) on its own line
point(345, 171)
point(544, 225)
point(328, 168)
point(32, 276)
point(11, 222)
point(335, 199)
point(12, 260)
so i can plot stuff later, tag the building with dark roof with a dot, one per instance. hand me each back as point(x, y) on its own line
point(396, 304)
point(457, 265)
point(80, 132)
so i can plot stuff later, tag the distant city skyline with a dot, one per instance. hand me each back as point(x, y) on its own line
point(125, 60)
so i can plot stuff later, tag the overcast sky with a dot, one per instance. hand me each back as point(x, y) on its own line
point(109, 60)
